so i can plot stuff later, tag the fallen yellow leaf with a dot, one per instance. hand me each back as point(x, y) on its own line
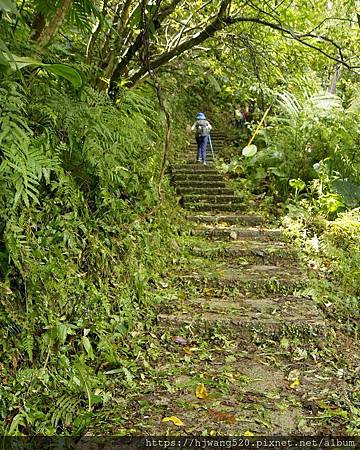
point(187, 350)
point(249, 433)
point(295, 384)
point(175, 420)
point(201, 391)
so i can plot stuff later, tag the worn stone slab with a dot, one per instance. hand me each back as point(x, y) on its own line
point(270, 311)
point(254, 278)
point(235, 233)
point(226, 219)
point(197, 169)
point(200, 184)
point(228, 207)
point(246, 251)
point(211, 198)
point(218, 191)
point(197, 177)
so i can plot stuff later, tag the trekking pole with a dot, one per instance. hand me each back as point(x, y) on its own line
point(211, 147)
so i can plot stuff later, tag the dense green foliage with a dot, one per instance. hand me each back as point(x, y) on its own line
point(81, 239)
point(85, 214)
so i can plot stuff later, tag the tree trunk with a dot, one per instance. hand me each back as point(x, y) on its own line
point(335, 78)
point(50, 30)
point(95, 34)
point(109, 54)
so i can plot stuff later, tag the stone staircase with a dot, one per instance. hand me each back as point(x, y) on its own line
point(231, 250)
point(235, 304)
point(201, 187)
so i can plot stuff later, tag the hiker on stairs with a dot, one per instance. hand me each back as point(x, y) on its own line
point(202, 130)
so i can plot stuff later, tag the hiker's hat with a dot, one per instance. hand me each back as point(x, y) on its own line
point(200, 116)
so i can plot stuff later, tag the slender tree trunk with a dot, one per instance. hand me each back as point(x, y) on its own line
point(114, 69)
point(50, 30)
point(95, 34)
point(335, 78)
point(110, 54)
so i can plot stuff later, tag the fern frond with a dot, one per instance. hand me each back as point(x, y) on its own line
point(27, 344)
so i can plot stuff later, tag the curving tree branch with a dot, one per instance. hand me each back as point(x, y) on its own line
point(221, 22)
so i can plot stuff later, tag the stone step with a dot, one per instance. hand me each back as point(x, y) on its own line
point(192, 165)
point(261, 279)
point(207, 190)
point(197, 177)
point(196, 169)
point(200, 184)
point(190, 158)
point(226, 207)
point(232, 233)
point(226, 219)
point(214, 199)
point(273, 311)
point(258, 249)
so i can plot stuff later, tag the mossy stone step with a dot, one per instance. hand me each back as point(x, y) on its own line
point(226, 219)
point(200, 184)
point(217, 191)
point(225, 207)
point(273, 311)
point(196, 169)
point(191, 198)
point(191, 158)
point(191, 165)
point(197, 177)
point(265, 252)
point(256, 278)
point(235, 233)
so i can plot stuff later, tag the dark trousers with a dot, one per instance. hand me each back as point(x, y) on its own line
point(201, 147)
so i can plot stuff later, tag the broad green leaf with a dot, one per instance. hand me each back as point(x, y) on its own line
point(249, 150)
point(19, 62)
point(278, 172)
point(87, 346)
point(67, 72)
point(350, 192)
point(62, 70)
point(8, 5)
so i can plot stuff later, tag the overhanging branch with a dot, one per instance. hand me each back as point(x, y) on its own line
point(222, 22)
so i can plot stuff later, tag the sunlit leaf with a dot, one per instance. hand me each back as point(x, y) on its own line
point(175, 420)
point(201, 391)
point(297, 184)
point(249, 433)
point(295, 384)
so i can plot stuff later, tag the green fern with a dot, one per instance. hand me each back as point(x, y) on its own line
point(65, 409)
point(27, 344)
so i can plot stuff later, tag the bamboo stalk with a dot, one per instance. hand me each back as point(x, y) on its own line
point(258, 127)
